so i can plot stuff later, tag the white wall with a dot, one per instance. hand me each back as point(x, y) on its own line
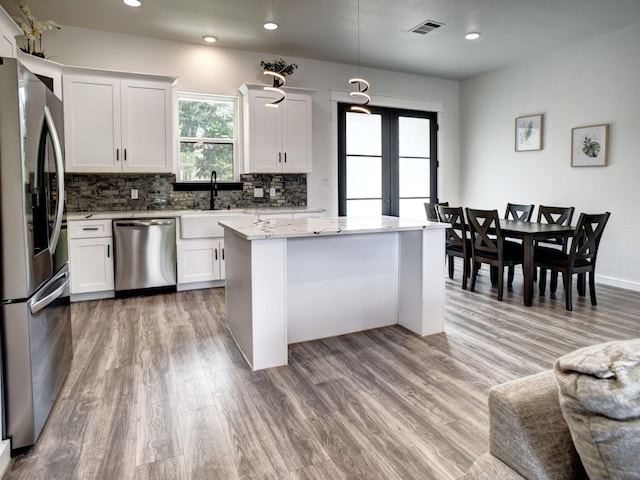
point(590, 83)
point(207, 69)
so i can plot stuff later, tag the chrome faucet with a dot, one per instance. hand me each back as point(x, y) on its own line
point(214, 190)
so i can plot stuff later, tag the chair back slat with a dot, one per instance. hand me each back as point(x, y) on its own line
point(430, 209)
point(587, 236)
point(485, 232)
point(558, 216)
point(516, 211)
point(457, 234)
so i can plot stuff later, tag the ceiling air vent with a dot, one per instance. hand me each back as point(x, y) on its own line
point(426, 27)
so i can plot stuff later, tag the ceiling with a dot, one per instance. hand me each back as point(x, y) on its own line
point(512, 30)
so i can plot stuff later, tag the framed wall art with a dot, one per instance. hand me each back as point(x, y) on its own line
point(529, 133)
point(589, 146)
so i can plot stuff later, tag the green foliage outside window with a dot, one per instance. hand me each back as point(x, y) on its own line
point(206, 128)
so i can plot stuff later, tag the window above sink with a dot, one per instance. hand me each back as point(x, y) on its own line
point(207, 138)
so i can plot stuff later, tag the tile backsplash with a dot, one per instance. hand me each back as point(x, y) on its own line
point(112, 192)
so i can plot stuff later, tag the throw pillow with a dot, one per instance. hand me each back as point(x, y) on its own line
point(599, 391)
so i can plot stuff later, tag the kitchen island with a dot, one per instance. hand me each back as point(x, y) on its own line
point(293, 280)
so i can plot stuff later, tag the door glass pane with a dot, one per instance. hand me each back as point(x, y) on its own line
point(413, 208)
point(414, 177)
point(364, 134)
point(359, 208)
point(364, 177)
point(413, 136)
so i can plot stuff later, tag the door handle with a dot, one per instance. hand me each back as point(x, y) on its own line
point(57, 150)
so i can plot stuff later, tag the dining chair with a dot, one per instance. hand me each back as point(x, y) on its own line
point(488, 246)
point(516, 211)
point(522, 212)
point(430, 208)
point(580, 259)
point(558, 216)
point(458, 243)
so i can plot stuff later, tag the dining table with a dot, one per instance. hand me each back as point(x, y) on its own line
point(529, 233)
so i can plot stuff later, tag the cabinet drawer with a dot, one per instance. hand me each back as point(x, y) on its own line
point(89, 228)
point(206, 225)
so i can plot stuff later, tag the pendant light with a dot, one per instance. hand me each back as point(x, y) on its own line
point(271, 24)
point(362, 84)
point(278, 78)
point(278, 82)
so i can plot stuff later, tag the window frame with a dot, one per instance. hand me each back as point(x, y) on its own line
point(235, 142)
point(389, 155)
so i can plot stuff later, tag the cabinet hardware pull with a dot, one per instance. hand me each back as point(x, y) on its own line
point(90, 229)
point(285, 157)
point(108, 251)
point(223, 254)
point(125, 154)
point(279, 157)
point(216, 250)
point(117, 154)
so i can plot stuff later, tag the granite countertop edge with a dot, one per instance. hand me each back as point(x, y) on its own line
point(117, 214)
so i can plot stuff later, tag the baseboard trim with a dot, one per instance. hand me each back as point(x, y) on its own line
point(616, 282)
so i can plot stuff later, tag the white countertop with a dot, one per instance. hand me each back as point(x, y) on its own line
point(311, 227)
point(178, 213)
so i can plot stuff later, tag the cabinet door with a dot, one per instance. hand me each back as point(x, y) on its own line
point(296, 134)
point(222, 268)
point(198, 261)
point(92, 124)
point(264, 136)
point(146, 126)
point(91, 265)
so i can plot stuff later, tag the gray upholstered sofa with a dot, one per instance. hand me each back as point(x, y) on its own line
point(528, 436)
point(589, 403)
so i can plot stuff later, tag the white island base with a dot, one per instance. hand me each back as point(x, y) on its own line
point(290, 281)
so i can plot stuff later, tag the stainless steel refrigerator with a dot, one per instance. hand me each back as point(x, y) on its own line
point(36, 319)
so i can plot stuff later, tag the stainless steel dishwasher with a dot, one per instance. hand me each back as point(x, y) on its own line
point(145, 253)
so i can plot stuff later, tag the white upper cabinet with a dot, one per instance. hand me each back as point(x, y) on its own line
point(277, 140)
point(117, 124)
point(8, 32)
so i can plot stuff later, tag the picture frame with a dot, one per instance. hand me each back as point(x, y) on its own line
point(590, 146)
point(529, 133)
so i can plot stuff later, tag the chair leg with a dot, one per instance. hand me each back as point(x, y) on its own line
point(476, 266)
point(465, 272)
point(553, 285)
point(500, 282)
point(542, 281)
point(450, 262)
point(592, 287)
point(582, 291)
point(493, 273)
point(567, 289)
point(510, 275)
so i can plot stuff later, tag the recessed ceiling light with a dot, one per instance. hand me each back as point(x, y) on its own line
point(270, 25)
point(472, 36)
point(209, 38)
point(132, 3)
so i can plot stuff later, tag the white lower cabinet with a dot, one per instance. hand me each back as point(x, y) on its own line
point(91, 256)
point(200, 249)
point(200, 260)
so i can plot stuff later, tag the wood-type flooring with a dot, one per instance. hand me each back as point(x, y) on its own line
point(158, 390)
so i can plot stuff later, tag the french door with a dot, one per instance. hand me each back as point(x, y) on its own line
point(387, 161)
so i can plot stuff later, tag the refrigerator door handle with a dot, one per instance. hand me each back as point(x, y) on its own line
point(46, 297)
point(57, 149)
